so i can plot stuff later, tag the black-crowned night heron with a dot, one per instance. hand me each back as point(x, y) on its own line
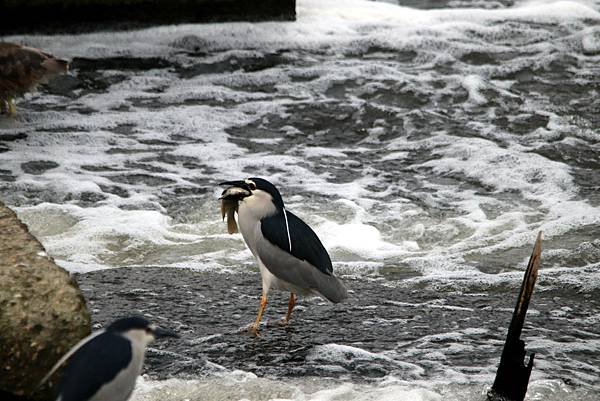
point(288, 252)
point(22, 68)
point(105, 365)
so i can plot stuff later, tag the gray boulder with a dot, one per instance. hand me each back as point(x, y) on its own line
point(42, 311)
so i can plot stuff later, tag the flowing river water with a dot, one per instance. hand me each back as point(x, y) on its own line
point(426, 146)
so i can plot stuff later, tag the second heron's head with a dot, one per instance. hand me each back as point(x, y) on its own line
point(139, 330)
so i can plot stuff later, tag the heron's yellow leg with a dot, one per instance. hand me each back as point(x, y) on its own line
point(291, 304)
point(263, 304)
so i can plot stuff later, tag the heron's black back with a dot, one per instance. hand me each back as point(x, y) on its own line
point(305, 243)
point(93, 365)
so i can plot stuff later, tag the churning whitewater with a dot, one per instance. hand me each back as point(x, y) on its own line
point(425, 146)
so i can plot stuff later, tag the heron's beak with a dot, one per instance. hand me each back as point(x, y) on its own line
point(237, 190)
point(159, 332)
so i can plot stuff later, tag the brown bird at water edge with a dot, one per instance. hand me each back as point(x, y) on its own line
point(22, 68)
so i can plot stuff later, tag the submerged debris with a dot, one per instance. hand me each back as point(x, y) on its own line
point(513, 374)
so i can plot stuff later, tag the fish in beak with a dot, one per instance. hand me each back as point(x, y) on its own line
point(230, 199)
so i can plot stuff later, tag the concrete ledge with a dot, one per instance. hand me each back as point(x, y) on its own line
point(54, 16)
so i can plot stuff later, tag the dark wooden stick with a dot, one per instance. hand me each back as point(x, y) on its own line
point(513, 375)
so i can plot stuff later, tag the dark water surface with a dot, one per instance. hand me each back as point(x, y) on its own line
point(211, 310)
point(384, 329)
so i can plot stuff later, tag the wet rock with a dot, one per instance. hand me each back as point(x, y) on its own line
point(12, 137)
point(115, 190)
point(118, 63)
point(147, 179)
point(192, 43)
point(38, 167)
point(5, 175)
point(63, 85)
point(88, 197)
point(478, 58)
point(235, 63)
point(42, 312)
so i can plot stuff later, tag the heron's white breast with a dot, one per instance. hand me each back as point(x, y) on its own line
point(249, 227)
point(251, 210)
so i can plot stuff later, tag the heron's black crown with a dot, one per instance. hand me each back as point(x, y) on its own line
point(266, 186)
point(128, 323)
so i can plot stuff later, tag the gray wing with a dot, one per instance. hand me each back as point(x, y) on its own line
point(305, 242)
point(299, 272)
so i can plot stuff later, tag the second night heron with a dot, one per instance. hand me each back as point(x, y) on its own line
point(288, 252)
point(105, 365)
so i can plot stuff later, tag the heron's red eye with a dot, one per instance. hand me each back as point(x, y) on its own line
point(252, 186)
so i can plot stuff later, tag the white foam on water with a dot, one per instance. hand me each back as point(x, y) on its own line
point(322, 26)
point(547, 183)
point(362, 240)
point(239, 385)
point(334, 353)
point(474, 84)
point(91, 238)
point(507, 169)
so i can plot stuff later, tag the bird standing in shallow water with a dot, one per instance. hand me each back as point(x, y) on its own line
point(288, 252)
point(21, 70)
point(105, 365)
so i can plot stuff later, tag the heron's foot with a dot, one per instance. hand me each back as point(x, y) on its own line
point(288, 316)
point(253, 329)
point(263, 304)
